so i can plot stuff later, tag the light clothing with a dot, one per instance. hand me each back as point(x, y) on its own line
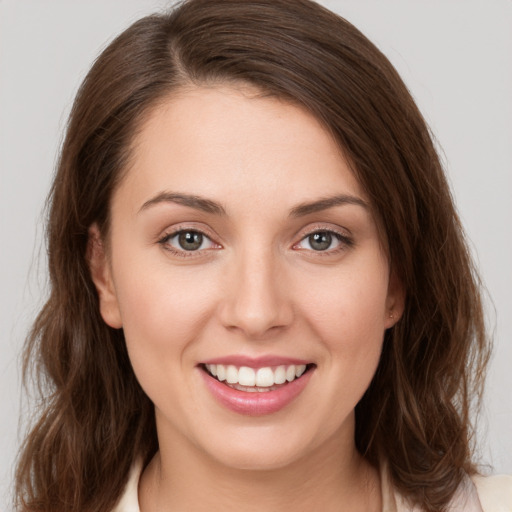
point(478, 494)
point(129, 501)
point(495, 492)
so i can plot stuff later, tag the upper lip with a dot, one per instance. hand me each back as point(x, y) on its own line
point(255, 362)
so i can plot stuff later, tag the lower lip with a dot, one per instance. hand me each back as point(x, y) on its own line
point(257, 403)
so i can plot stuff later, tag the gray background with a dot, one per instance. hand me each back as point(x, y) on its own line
point(455, 56)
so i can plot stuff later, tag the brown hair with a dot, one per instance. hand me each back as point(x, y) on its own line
point(95, 420)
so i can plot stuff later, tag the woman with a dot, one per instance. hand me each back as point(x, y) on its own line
point(259, 281)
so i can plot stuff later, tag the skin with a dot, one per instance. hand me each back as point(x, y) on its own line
point(256, 287)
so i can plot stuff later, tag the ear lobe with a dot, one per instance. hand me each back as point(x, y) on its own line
point(101, 275)
point(395, 302)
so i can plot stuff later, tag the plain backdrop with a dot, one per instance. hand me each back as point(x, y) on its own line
point(454, 55)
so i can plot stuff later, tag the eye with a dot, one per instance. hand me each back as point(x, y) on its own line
point(324, 241)
point(187, 240)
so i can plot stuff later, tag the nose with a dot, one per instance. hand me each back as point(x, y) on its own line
point(257, 302)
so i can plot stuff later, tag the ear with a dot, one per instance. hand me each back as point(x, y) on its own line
point(101, 274)
point(395, 301)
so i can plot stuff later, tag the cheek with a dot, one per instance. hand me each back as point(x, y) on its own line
point(163, 316)
point(163, 312)
point(347, 312)
point(349, 301)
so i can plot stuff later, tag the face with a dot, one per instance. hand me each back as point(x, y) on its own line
point(246, 270)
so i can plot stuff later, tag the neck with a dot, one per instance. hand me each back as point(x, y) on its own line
point(180, 478)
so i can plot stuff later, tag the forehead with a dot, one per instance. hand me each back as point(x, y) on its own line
point(230, 143)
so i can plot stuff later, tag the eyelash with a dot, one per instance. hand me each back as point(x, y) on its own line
point(182, 253)
point(345, 242)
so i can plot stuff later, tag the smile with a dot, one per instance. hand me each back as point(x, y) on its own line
point(249, 379)
point(253, 390)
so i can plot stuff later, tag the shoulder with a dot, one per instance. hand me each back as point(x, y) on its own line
point(129, 500)
point(494, 492)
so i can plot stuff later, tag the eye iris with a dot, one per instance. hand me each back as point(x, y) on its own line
point(320, 241)
point(190, 240)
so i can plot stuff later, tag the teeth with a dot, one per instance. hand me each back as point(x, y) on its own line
point(265, 378)
point(221, 371)
point(231, 375)
point(262, 377)
point(246, 376)
point(280, 375)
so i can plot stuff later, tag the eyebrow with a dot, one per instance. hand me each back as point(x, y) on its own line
point(324, 204)
point(192, 201)
point(209, 206)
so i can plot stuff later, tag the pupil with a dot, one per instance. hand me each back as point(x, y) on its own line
point(320, 241)
point(190, 240)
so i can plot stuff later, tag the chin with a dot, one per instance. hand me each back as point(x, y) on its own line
point(263, 450)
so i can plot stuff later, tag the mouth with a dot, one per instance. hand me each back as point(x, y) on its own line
point(256, 380)
point(256, 391)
